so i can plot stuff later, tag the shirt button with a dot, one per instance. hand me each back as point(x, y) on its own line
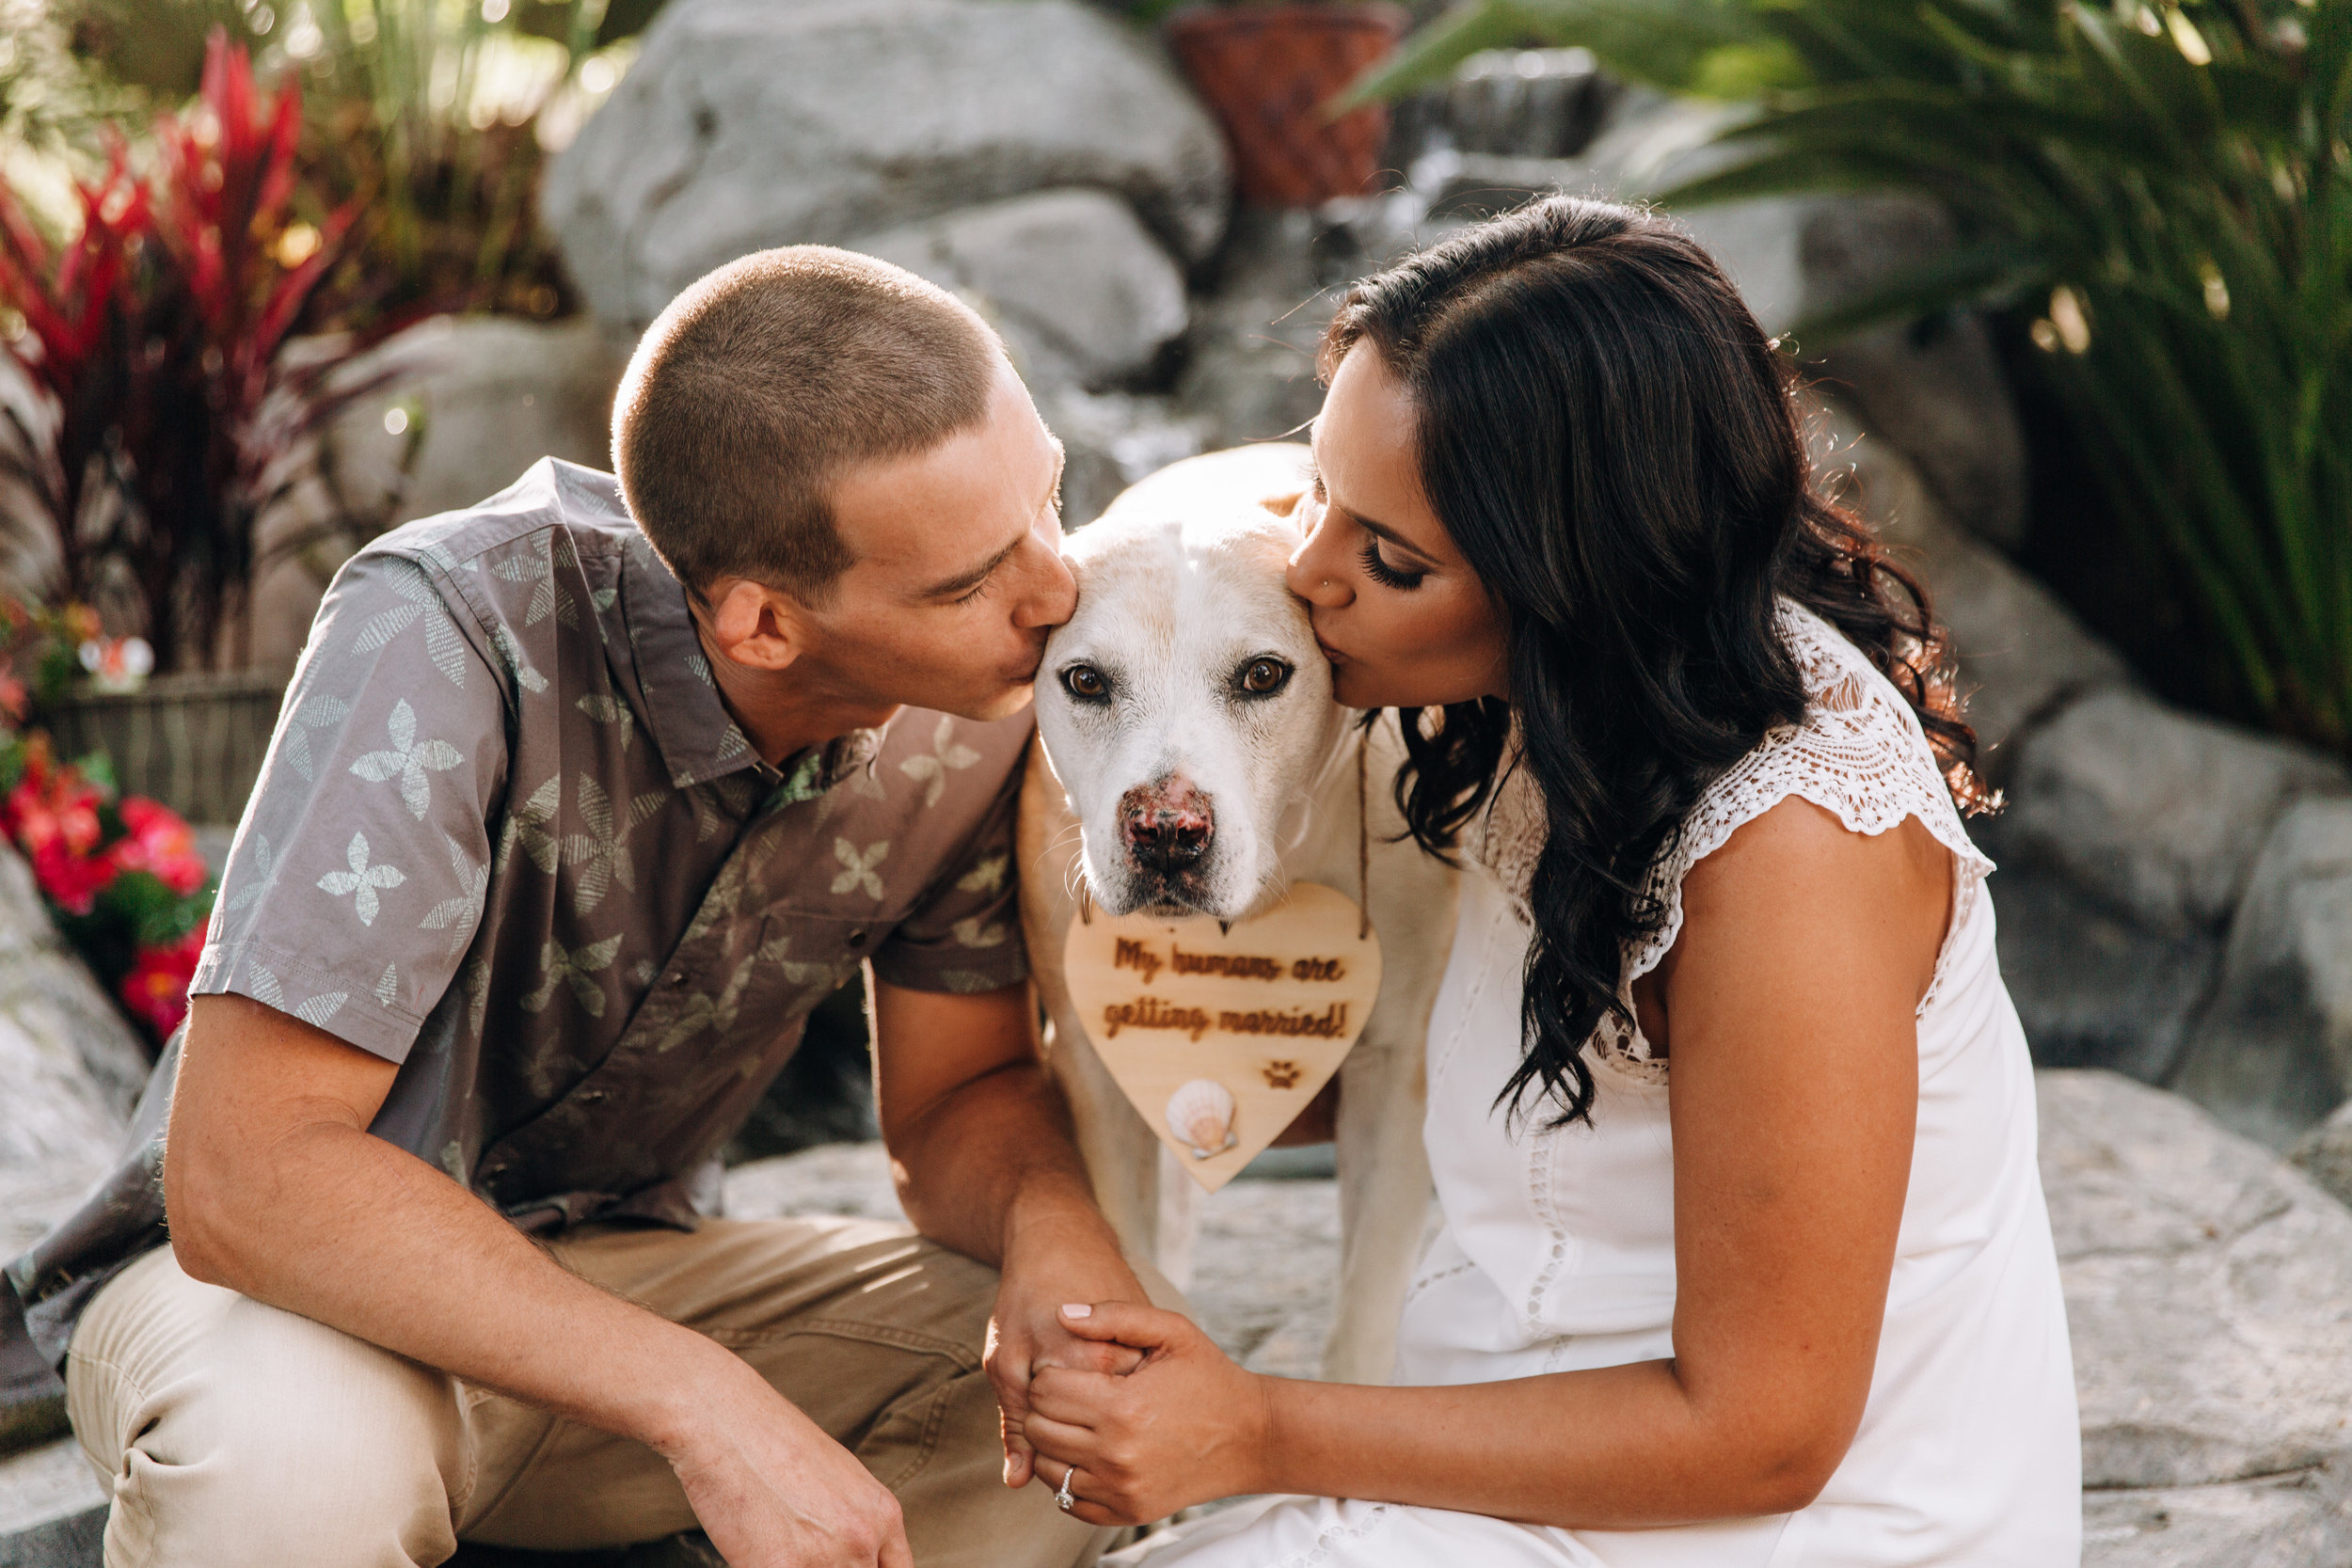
point(590, 1097)
point(678, 976)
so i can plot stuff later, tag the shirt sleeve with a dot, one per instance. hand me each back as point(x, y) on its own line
point(964, 934)
point(357, 875)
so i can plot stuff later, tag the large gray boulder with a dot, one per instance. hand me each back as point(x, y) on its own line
point(2324, 1153)
point(71, 1067)
point(2272, 1053)
point(2159, 811)
point(2092, 987)
point(750, 123)
point(1078, 287)
point(2209, 1295)
point(1250, 374)
point(1935, 387)
point(2022, 654)
point(471, 403)
point(2159, 917)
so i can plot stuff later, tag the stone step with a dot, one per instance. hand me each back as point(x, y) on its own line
point(53, 1513)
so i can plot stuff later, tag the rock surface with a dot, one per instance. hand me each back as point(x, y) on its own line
point(2092, 988)
point(2209, 1292)
point(479, 399)
point(53, 1513)
point(1934, 387)
point(72, 1065)
point(745, 124)
point(2300, 1520)
point(2022, 654)
point(1250, 374)
point(1077, 286)
point(2324, 1153)
point(71, 1069)
point(2158, 812)
point(2273, 1052)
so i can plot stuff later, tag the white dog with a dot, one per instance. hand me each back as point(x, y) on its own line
point(1194, 762)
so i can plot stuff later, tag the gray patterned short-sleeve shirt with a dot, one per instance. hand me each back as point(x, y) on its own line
point(508, 837)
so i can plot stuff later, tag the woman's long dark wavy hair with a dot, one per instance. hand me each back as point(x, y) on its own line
point(1619, 455)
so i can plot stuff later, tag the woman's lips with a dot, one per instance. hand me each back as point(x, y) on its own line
point(1329, 653)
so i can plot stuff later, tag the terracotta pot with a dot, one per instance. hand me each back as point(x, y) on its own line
point(1267, 73)
point(193, 742)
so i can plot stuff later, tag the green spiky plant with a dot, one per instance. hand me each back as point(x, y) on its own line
point(2169, 185)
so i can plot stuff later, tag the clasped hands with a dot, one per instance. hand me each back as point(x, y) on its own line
point(1138, 1409)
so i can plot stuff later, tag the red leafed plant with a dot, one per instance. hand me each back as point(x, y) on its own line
point(158, 335)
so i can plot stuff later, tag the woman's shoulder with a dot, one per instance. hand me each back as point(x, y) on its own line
point(1859, 754)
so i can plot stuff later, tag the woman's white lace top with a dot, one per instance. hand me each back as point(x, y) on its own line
point(1859, 754)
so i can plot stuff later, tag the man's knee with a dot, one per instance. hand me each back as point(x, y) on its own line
point(238, 1434)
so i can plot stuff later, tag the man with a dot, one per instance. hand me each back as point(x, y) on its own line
point(569, 822)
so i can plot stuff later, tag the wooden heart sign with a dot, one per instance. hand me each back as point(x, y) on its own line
point(1221, 1037)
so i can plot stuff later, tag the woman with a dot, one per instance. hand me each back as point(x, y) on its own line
point(1744, 1258)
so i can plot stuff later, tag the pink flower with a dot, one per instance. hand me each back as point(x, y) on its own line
point(52, 816)
point(157, 840)
point(72, 881)
point(156, 990)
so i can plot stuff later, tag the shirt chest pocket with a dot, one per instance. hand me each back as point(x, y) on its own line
point(797, 961)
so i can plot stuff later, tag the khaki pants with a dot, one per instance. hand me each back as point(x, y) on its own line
point(236, 1434)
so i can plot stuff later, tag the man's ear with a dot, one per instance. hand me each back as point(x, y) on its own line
point(754, 625)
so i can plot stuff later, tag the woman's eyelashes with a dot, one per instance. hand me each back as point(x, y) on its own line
point(1384, 573)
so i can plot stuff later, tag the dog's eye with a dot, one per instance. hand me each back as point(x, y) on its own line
point(1263, 678)
point(1086, 683)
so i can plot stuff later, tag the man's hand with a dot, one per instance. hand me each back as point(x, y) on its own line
point(773, 1491)
point(986, 1164)
point(1050, 1263)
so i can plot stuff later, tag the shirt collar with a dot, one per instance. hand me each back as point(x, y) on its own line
point(699, 740)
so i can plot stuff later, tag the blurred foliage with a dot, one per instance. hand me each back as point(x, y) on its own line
point(2164, 189)
point(435, 115)
point(169, 418)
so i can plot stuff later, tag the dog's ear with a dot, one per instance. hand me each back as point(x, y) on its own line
point(1285, 506)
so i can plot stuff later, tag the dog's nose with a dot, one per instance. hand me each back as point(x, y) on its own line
point(1167, 825)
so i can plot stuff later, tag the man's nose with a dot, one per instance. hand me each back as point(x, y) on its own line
point(1053, 596)
point(1167, 825)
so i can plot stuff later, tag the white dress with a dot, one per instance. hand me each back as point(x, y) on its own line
point(1557, 1248)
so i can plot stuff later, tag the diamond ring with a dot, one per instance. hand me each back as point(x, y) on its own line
point(1062, 1499)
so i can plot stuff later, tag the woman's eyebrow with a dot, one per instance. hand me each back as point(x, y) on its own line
point(1383, 532)
point(1378, 530)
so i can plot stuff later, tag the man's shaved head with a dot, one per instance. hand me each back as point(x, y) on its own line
point(760, 384)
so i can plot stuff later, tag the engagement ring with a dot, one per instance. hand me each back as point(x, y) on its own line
point(1062, 1499)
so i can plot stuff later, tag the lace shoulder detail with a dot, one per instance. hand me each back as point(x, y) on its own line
point(1859, 754)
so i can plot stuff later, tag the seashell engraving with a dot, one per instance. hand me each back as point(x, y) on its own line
point(1201, 1114)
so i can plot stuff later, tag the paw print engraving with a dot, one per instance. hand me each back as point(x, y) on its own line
point(1281, 1075)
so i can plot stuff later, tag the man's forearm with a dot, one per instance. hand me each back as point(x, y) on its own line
point(996, 1163)
point(275, 1189)
point(345, 1229)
